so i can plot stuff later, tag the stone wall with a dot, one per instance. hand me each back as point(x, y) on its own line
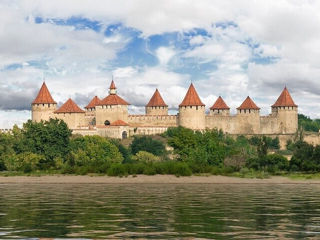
point(192, 117)
point(153, 120)
point(73, 120)
point(157, 110)
point(111, 113)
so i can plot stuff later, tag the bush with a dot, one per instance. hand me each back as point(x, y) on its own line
point(26, 162)
point(145, 157)
point(147, 144)
point(117, 170)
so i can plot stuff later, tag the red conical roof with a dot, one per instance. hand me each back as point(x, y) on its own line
point(69, 107)
point(119, 123)
point(220, 104)
point(113, 99)
point(44, 96)
point(191, 98)
point(112, 85)
point(284, 100)
point(248, 104)
point(156, 100)
point(94, 102)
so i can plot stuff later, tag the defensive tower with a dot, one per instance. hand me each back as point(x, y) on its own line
point(192, 111)
point(248, 117)
point(111, 108)
point(156, 105)
point(287, 113)
point(220, 108)
point(43, 105)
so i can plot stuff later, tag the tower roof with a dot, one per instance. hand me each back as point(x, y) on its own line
point(112, 85)
point(285, 100)
point(69, 107)
point(119, 123)
point(248, 104)
point(44, 96)
point(94, 102)
point(191, 98)
point(220, 104)
point(156, 100)
point(113, 99)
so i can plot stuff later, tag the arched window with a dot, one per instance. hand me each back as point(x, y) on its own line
point(106, 122)
point(124, 135)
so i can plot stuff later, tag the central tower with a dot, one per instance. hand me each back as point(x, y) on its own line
point(192, 111)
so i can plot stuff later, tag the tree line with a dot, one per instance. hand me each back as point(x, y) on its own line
point(50, 147)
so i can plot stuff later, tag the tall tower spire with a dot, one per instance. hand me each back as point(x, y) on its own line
point(112, 89)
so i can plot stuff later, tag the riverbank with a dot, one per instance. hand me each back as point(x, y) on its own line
point(156, 179)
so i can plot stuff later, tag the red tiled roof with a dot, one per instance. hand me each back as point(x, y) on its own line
point(44, 96)
point(69, 107)
point(112, 85)
point(156, 100)
point(284, 100)
point(220, 104)
point(191, 98)
point(94, 102)
point(113, 99)
point(119, 123)
point(248, 104)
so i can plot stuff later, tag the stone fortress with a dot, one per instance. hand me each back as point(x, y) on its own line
point(109, 117)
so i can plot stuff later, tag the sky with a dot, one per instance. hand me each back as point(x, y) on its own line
point(229, 48)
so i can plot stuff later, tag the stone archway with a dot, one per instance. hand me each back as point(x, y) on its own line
point(124, 135)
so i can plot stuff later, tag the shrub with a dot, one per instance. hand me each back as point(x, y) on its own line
point(25, 162)
point(117, 170)
point(145, 157)
point(147, 144)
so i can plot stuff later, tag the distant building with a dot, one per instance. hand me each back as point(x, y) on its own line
point(110, 117)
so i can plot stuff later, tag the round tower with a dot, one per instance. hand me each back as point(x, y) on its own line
point(111, 108)
point(43, 105)
point(220, 108)
point(192, 111)
point(248, 117)
point(156, 105)
point(286, 112)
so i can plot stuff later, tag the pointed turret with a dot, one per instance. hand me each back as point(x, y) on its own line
point(192, 98)
point(43, 105)
point(69, 107)
point(44, 96)
point(248, 104)
point(284, 100)
point(112, 88)
point(93, 103)
point(192, 111)
point(220, 107)
point(286, 111)
point(156, 105)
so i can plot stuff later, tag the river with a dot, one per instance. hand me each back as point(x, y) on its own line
point(163, 211)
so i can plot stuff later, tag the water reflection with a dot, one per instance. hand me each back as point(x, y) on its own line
point(160, 211)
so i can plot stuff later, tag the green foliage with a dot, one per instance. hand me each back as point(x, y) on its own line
point(93, 151)
point(49, 138)
point(147, 144)
point(145, 157)
point(26, 162)
point(308, 124)
point(270, 163)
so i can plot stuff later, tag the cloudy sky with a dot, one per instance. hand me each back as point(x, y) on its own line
point(229, 48)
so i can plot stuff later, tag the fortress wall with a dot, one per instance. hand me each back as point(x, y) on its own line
point(111, 113)
point(312, 138)
point(157, 110)
point(42, 112)
point(269, 125)
point(147, 130)
point(73, 120)
point(153, 120)
point(288, 119)
point(226, 123)
point(248, 122)
point(85, 132)
point(113, 132)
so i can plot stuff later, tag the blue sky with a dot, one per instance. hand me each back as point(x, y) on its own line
point(228, 48)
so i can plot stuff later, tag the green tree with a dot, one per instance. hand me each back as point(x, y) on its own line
point(147, 144)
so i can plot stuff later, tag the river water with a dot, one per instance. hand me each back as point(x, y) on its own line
point(163, 211)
